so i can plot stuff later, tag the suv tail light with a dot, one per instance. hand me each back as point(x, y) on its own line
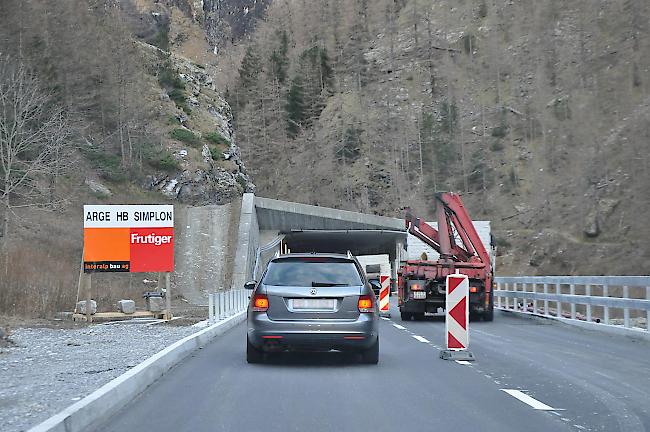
point(260, 303)
point(365, 304)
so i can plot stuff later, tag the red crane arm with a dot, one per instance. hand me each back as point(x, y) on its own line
point(451, 212)
point(458, 215)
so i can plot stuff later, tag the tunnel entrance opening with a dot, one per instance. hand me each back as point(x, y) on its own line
point(358, 242)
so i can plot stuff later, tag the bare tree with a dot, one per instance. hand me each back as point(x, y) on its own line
point(34, 136)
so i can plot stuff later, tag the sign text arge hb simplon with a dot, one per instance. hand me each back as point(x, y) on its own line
point(128, 238)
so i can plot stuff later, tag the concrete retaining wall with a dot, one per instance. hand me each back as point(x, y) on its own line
point(247, 242)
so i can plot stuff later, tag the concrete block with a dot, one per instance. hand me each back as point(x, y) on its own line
point(462, 355)
point(155, 304)
point(81, 307)
point(126, 306)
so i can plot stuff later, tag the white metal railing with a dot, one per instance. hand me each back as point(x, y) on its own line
point(224, 304)
point(538, 295)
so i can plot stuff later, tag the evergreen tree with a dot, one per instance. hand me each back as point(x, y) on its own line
point(279, 59)
point(249, 72)
point(327, 73)
point(295, 107)
point(317, 79)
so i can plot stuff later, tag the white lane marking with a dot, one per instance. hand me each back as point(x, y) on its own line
point(529, 400)
point(420, 338)
point(397, 326)
point(385, 319)
point(463, 362)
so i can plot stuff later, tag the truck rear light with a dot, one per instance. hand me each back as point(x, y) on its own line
point(260, 303)
point(365, 304)
point(473, 289)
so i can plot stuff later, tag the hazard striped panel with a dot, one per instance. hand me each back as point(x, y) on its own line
point(384, 297)
point(457, 316)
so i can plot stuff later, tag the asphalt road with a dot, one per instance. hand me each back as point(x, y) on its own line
point(585, 380)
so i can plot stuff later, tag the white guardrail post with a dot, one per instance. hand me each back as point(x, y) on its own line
point(211, 307)
point(572, 291)
point(546, 312)
point(626, 311)
point(605, 308)
point(558, 304)
point(498, 297)
point(647, 317)
point(588, 294)
point(628, 300)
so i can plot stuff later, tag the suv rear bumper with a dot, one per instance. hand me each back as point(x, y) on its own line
point(317, 334)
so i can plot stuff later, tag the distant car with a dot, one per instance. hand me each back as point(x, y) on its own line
point(312, 302)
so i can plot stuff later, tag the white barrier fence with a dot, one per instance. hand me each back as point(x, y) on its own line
point(224, 304)
point(602, 299)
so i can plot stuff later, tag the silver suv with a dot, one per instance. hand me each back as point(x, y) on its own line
point(312, 302)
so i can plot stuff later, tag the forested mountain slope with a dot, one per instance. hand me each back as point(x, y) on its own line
point(536, 111)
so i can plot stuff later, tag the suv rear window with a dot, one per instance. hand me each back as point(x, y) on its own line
point(308, 271)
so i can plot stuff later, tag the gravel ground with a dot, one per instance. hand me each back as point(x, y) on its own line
point(50, 369)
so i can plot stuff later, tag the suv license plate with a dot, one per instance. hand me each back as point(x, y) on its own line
point(314, 304)
point(419, 295)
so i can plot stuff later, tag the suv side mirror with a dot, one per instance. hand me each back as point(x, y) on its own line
point(375, 285)
point(250, 285)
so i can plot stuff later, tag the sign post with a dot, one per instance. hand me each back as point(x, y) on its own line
point(457, 319)
point(128, 239)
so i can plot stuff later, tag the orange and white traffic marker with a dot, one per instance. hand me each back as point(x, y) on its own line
point(457, 319)
point(384, 296)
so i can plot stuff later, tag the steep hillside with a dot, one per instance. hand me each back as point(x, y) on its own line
point(536, 111)
point(139, 120)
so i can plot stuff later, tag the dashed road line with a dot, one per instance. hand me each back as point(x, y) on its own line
point(421, 339)
point(463, 362)
point(523, 397)
point(397, 326)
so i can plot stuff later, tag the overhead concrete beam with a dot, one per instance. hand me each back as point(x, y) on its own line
point(286, 216)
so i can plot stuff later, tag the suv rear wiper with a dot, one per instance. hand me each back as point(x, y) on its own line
point(327, 284)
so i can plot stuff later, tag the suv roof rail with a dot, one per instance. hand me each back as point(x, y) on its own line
point(350, 255)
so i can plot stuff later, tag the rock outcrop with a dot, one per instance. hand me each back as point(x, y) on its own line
point(206, 175)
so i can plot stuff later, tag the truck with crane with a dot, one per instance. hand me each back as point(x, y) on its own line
point(422, 283)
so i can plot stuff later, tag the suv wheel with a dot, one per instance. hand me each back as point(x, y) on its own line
point(371, 355)
point(253, 355)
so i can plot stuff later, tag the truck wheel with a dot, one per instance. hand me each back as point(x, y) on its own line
point(488, 315)
point(406, 316)
point(371, 355)
point(253, 355)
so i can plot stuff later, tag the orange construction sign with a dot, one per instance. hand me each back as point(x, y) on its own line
point(128, 238)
